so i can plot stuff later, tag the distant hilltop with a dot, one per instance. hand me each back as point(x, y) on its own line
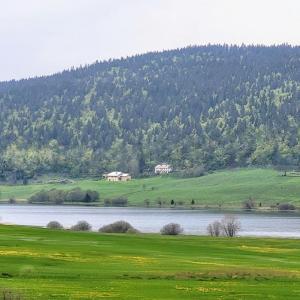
point(213, 107)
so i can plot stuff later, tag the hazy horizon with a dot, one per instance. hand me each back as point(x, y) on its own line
point(43, 38)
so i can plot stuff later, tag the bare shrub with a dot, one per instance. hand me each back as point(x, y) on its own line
point(81, 226)
point(118, 227)
point(230, 225)
point(286, 206)
point(249, 204)
point(54, 225)
point(171, 229)
point(215, 229)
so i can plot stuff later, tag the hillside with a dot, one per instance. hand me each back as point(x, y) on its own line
point(209, 106)
point(51, 264)
point(228, 189)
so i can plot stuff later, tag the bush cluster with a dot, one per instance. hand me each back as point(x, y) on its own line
point(120, 202)
point(60, 196)
point(286, 206)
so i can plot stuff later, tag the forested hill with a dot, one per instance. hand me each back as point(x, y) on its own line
point(211, 106)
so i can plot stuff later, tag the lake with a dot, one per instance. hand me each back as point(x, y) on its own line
point(275, 224)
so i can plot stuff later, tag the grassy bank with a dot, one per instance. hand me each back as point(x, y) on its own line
point(44, 264)
point(227, 188)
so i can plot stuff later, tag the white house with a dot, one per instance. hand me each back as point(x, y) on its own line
point(117, 176)
point(163, 169)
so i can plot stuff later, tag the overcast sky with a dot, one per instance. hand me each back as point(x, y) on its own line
point(39, 37)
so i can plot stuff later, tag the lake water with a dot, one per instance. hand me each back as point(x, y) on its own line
point(151, 220)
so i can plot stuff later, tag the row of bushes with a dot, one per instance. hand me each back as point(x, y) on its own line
point(251, 204)
point(248, 204)
point(60, 196)
point(116, 227)
point(228, 226)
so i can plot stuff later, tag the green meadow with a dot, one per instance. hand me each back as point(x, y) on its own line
point(40, 263)
point(226, 188)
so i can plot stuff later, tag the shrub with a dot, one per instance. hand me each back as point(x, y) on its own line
point(120, 202)
point(249, 204)
point(171, 229)
point(91, 196)
point(56, 196)
point(230, 225)
point(107, 202)
point(41, 196)
point(133, 231)
point(75, 195)
point(54, 225)
point(12, 201)
point(286, 206)
point(118, 227)
point(215, 229)
point(81, 226)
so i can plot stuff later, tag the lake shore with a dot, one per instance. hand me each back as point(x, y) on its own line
point(151, 220)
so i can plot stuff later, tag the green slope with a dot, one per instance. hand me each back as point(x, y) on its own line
point(44, 264)
point(229, 188)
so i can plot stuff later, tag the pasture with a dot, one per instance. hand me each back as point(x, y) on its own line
point(227, 188)
point(40, 263)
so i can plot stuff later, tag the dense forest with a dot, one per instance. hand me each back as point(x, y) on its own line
point(211, 107)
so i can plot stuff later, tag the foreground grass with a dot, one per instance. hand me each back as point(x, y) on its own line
point(226, 188)
point(43, 264)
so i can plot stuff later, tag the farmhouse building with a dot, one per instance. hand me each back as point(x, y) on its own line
point(117, 176)
point(163, 169)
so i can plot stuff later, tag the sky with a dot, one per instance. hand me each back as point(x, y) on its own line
point(43, 37)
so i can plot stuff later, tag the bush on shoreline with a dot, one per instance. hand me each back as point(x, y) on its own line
point(54, 225)
point(228, 226)
point(171, 229)
point(118, 227)
point(119, 202)
point(81, 226)
point(60, 196)
point(286, 206)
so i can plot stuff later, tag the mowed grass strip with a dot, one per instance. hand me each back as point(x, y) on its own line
point(227, 188)
point(49, 264)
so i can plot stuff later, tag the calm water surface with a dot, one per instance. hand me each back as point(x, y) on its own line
point(151, 220)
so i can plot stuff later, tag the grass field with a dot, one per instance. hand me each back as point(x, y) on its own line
point(228, 188)
point(43, 264)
